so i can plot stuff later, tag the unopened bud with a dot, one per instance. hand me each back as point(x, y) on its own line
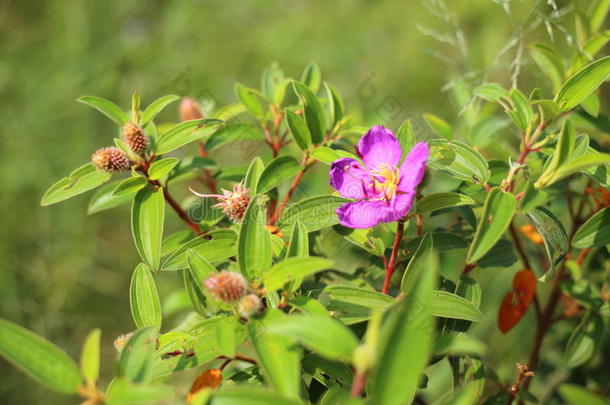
point(249, 305)
point(190, 110)
point(227, 286)
point(208, 379)
point(111, 160)
point(120, 341)
point(135, 138)
point(233, 203)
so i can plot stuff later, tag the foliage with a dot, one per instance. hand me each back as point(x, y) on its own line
point(286, 306)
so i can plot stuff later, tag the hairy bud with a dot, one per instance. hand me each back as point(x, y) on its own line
point(111, 160)
point(249, 305)
point(227, 286)
point(135, 138)
point(190, 110)
point(233, 203)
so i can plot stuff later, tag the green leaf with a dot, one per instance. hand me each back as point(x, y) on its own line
point(156, 107)
point(217, 247)
point(122, 392)
point(312, 77)
point(298, 129)
point(144, 298)
point(335, 104)
point(584, 340)
point(294, 268)
point(108, 108)
point(279, 357)
point(199, 269)
point(230, 133)
point(276, 172)
point(522, 111)
point(320, 334)
point(416, 264)
point(595, 232)
point(90, 356)
point(38, 358)
point(459, 160)
point(497, 215)
point(576, 395)
point(439, 126)
point(598, 14)
point(104, 199)
point(253, 174)
point(147, 217)
point(254, 245)
point(554, 236)
point(272, 82)
point(325, 154)
point(582, 83)
point(491, 92)
point(249, 100)
point(249, 395)
point(590, 48)
point(185, 133)
point(298, 245)
point(130, 186)
point(576, 165)
point(437, 201)
point(448, 305)
point(314, 213)
point(549, 62)
point(135, 358)
point(406, 136)
point(501, 254)
point(314, 115)
point(81, 180)
point(406, 340)
point(354, 304)
point(561, 154)
point(161, 167)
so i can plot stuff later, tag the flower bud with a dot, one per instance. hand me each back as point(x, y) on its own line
point(249, 305)
point(190, 110)
point(135, 139)
point(208, 379)
point(111, 160)
point(120, 341)
point(233, 203)
point(227, 286)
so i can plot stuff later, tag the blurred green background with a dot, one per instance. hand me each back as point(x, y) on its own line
point(62, 272)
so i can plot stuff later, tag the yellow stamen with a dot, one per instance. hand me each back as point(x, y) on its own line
point(390, 176)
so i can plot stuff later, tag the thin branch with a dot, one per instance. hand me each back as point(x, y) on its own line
point(391, 265)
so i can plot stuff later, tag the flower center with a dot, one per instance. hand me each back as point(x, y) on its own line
point(386, 180)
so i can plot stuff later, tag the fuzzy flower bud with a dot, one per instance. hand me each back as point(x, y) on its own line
point(111, 160)
point(190, 110)
point(233, 203)
point(120, 341)
point(249, 305)
point(135, 138)
point(227, 286)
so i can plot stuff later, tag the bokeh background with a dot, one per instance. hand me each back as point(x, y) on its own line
point(63, 272)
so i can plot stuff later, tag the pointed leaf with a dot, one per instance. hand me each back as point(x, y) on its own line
point(595, 232)
point(497, 215)
point(81, 180)
point(298, 129)
point(38, 358)
point(156, 107)
point(254, 245)
point(108, 108)
point(314, 115)
point(90, 356)
point(144, 299)
point(147, 218)
point(276, 172)
point(582, 83)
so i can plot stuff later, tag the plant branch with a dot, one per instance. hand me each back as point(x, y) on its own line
point(277, 211)
point(181, 213)
point(391, 264)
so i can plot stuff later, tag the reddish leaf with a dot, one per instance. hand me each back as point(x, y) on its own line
point(208, 379)
point(516, 302)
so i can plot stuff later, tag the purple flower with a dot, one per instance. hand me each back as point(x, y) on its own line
point(384, 191)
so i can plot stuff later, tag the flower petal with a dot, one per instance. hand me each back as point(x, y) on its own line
point(413, 168)
point(398, 208)
point(360, 214)
point(379, 146)
point(349, 178)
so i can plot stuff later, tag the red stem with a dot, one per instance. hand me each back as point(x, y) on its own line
point(181, 213)
point(391, 265)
